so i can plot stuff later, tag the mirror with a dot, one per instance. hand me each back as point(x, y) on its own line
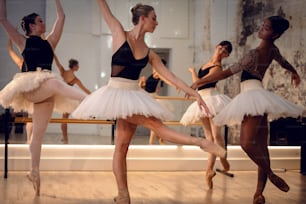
point(91, 34)
point(186, 35)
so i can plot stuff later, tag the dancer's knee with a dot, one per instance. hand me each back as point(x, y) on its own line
point(34, 144)
point(122, 148)
point(151, 122)
point(248, 146)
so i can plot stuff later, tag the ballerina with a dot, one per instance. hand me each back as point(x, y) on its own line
point(36, 89)
point(254, 105)
point(124, 101)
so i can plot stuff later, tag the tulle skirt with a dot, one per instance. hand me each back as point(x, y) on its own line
point(254, 100)
point(120, 98)
point(215, 102)
point(12, 95)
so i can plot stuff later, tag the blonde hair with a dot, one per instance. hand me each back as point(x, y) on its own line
point(140, 10)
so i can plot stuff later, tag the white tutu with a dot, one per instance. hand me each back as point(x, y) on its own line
point(215, 102)
point(120, 98)
point(12, 94)
point(255, 100)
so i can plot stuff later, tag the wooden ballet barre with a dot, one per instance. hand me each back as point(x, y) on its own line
point(174, 98)
point(178, 123)
point(91, 121)
point(64, 120)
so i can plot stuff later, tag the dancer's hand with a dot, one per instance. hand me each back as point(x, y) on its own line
point(295, 79)
point(191, 69)
point(202, 105)
point(194, 86)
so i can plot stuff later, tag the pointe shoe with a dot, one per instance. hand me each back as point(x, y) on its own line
point(213, 148)
point(122, 198)
point(64, 141)
point(279, 182)
point(259, 199)
point(34, 177)
point(209, 177)
point(225, 164)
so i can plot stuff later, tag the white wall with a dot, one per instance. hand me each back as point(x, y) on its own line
point(87, 38)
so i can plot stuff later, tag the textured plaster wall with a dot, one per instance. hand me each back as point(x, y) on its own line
point(243, 17)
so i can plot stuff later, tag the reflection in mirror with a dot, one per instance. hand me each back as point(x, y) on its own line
point(99, 134)
point(105, 132)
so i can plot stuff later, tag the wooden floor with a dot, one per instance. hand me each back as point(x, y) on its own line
point(148, 188)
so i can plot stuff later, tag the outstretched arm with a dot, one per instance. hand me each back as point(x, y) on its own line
point(213, 76)
point(80, 84)
point(248, 60)
point(173, 80)
point(10, 30)
point(59, 65)
point(57, 30)
point(295, 78)
point(15, 57)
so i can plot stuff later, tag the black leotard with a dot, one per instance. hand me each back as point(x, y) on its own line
point(37, 53)
point(248, 65)
point(125, 65)
point(246, 76)
point(203, 73)
point(151, 84)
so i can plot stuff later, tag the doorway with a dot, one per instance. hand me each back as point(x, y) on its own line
point(164, 54)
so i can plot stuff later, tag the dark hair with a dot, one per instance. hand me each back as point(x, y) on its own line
point(279, 24)
point(26, 21)
point(227, 44)
point(72, 63)
point(140, 10)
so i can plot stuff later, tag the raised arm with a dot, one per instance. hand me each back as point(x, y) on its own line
point(57, 30)
point(193, 74)
point(59, 65)
point(295, 78)
point(10, 30)
point(15, 57)
point(113, 24)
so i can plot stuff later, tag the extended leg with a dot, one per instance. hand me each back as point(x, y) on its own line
point(171, 135)
point(52, 87)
